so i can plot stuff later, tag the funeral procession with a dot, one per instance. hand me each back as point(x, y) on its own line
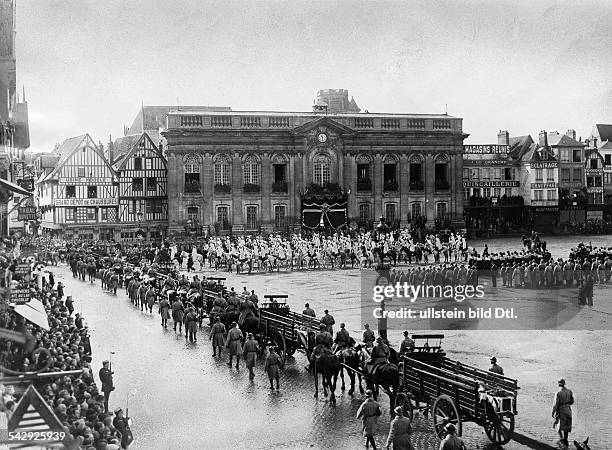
point(208, 241)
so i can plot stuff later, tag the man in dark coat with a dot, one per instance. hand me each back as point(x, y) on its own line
point(106, 378)
point(217, 336)
point(122, 424)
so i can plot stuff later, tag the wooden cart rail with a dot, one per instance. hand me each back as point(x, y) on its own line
point(490, 379)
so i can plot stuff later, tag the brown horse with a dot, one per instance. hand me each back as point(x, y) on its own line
point(328, 365)
point(351, 357)
point(385, 376)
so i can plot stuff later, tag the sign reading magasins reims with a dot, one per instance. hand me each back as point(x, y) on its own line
point(86, 202)
point(483, 149)
point(480, 184)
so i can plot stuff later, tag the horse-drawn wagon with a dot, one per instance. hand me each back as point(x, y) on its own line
point(453, 392)
point(287, 330)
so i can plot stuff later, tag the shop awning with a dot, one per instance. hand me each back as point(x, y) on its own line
point(34, 311)
point(13, 187)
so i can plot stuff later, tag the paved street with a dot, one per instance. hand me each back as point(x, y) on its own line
point(180, 396)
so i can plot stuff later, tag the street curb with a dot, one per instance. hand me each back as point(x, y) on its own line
point(532, 441)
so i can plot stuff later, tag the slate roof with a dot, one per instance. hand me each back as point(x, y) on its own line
point(556, 139)
point(519, 145)
point(155, 116)
point(123, 145)
point(604, 131)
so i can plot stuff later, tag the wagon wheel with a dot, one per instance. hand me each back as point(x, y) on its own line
point(499, 428)
point(403, 400)
point(279, 342)
point(443, 412)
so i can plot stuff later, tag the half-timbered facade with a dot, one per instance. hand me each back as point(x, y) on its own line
point(81, 191)
point(143, 200)
point(264, 171)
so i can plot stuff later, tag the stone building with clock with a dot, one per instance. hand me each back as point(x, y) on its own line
point(334, 166)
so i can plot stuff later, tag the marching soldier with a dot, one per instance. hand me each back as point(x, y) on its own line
point(271, 367)
point(329, 322)
point(232, 343)
point(217, 336)
point(250, 351)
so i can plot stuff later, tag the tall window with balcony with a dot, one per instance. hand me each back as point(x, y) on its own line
point(250, 174)
point(251, 217)
point(321, 170)
point(390, 174)
point(192, 174)
point(280, 216)
point(279, 165)
point(416, 173)
point(222, 174)
point(441, 172)
point(364, 177)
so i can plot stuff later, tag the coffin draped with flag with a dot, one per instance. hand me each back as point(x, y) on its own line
point(326, 209)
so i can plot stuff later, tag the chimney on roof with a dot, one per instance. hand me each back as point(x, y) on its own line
point(571, 133)
point(111, 149)
point(595, 143)
point(543, 141)
point(503, 137)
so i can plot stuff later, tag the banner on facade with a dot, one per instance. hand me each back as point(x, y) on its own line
point(481, 184)
point(315, 214)
point(86, 202)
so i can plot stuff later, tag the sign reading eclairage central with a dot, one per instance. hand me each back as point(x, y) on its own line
point(86, 202)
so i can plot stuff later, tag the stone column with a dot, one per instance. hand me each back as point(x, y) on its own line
point(296, 183)
point(267, 219)
point(377, 186)
point(404, 186)
point(350, 182)
point(237, 213)
point(429, 178)
point(207, 180)
point(174, 196)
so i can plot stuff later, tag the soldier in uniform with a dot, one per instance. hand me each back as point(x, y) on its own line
point(232, 343)
point(122, 424)
point(106, 378)
point(380, 353)
point(407, 345)
point(494, 367)
point(250, 351)
point(217, 336)
point(329, 322)
point(562, 411)
point(308, 311)
point(271, 367)
point(343, 339)
point(368, 336)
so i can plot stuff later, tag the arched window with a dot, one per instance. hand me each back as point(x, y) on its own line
point(364, 173)
point(192, 173)
point(441, 171)
point(390, 173)
point(416, 172)
point(250, 170)
point(222, 170)
point(321, 170)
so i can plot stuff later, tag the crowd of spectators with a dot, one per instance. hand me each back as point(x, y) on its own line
point(74, 397)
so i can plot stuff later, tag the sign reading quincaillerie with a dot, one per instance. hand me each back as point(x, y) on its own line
point(86, 202)
point(479, 184)
point(85, 180)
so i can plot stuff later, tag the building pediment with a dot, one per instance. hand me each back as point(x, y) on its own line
point(323, 124)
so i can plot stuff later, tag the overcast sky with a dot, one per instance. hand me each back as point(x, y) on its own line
point(520, 65)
